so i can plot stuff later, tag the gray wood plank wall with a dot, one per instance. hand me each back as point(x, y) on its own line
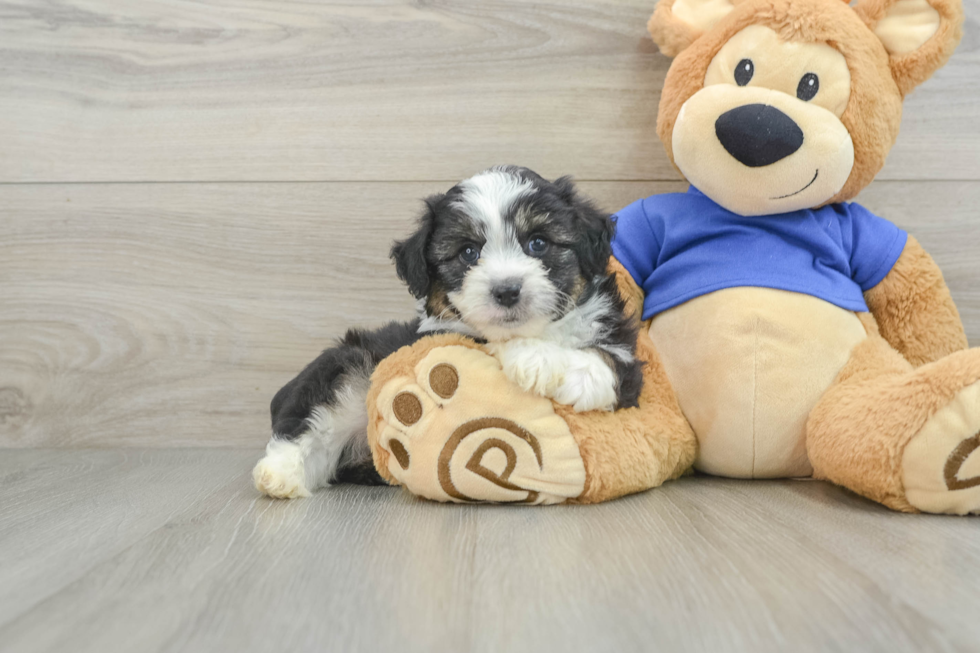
point(196, 197)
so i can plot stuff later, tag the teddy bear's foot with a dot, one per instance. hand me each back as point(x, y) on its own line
point(941, 463)
point(458, 430)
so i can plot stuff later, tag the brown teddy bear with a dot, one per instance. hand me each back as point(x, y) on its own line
point(786, 333)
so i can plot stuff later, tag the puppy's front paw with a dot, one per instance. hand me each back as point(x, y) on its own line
point(574, 377)
point(589, 383)
point(534, 365)
point(281, 474)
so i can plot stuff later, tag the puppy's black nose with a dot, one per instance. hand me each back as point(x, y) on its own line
point(758, 135)
point(507, 294)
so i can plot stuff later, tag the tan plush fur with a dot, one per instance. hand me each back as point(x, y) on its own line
point(735, 358)
point(857, 433)
point(671, 35)
point(914, 361)
point(910, 70)
point(631, 293)
point(914, 310)
point(874, 111)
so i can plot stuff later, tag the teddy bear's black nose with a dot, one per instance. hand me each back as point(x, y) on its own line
point(758, 135)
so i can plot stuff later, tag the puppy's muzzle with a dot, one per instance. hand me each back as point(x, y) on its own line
point(758, 135)
point(507, 294)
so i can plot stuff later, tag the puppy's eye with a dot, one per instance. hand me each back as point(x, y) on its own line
point(809, 85)
point(469, 255)
point(537, 246)
point(744, 71)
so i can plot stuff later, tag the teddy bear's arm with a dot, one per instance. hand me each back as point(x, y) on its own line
point(914, 309)
point(631, 293)
point(634, 449)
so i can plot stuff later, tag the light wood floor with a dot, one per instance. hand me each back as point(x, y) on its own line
point(169, 550)
point(196, 196)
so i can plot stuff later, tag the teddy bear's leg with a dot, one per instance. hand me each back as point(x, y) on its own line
point(446, 422)
point(904, 437)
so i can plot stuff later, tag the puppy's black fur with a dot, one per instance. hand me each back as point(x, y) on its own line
point(621, 329)
point(356, 354)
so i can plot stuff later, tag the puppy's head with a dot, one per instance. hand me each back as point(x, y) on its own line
point(505, 252)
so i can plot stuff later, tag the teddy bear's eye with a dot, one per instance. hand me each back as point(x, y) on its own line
point(744, 71)
point(809, 85)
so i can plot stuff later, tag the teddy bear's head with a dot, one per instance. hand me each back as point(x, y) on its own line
point(777, 105)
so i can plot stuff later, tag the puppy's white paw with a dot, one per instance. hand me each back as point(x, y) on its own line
point(589, 383)
point(281, 474)
point(535, 365)
point(574, 377)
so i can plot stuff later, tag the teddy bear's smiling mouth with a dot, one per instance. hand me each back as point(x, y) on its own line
point(782, 197)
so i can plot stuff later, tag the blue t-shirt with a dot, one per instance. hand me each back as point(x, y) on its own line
point(679, 246)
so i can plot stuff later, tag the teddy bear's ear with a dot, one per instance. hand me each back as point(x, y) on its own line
point(919, 35)
point(676, 24)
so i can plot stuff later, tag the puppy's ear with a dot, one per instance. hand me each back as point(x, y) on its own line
point(409, 255)
point(919, 35)
point(593, 249)
point(676, 24)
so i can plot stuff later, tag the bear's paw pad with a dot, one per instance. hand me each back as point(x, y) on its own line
point(941, 464)
point(459, 430)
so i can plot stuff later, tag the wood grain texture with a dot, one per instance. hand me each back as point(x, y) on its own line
point(65, 512)
point(161, 90)
point(701, 564)
point(169, 314)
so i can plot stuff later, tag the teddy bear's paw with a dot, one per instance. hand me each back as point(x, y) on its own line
point(281, 473)
point(459, 430)
point(941, 463)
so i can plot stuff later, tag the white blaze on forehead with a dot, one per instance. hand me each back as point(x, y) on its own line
point(488, 196)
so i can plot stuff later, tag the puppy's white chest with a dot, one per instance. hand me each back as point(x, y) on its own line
point(748, 366)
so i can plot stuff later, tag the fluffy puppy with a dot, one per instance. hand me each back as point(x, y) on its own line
point(506, 257)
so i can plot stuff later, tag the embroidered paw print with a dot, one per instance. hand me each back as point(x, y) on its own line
point(443, 380)
point(957, 461)
point(459, 430)
point(941, 463)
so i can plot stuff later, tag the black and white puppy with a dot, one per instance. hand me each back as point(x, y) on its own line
point(506, 257)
